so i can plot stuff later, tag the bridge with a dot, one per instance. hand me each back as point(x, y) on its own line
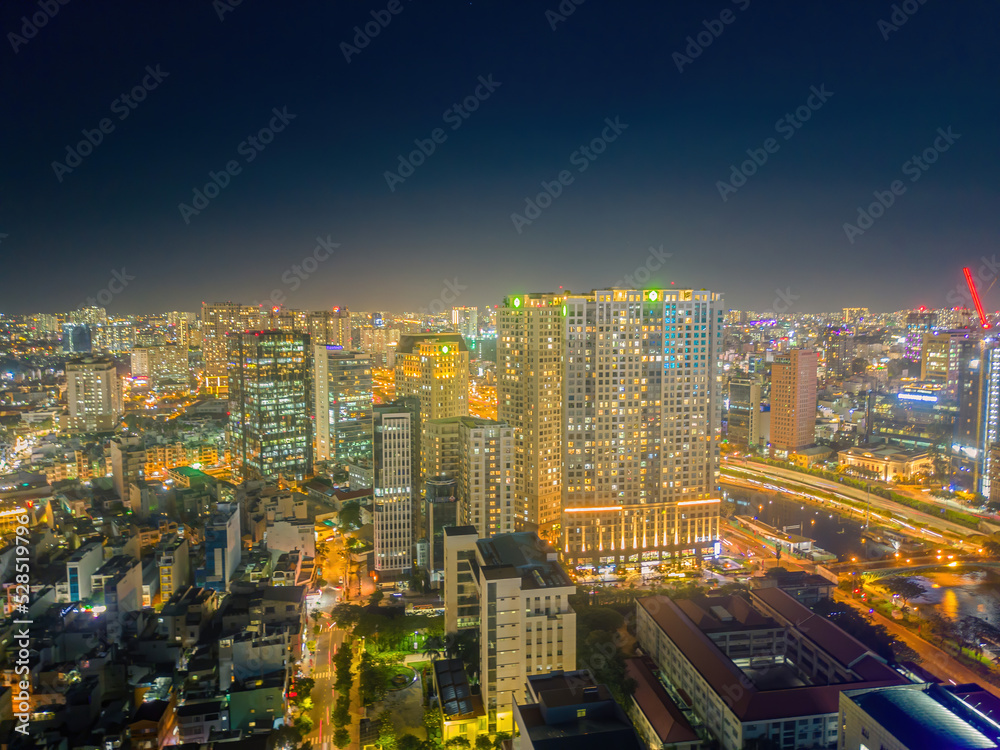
point(885, 568)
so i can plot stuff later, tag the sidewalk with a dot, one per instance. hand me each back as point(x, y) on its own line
point(934, 659)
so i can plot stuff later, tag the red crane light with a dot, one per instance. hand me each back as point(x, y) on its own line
point(983, 320)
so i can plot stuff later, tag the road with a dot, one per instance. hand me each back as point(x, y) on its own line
point(933, 659)
point(892, 509)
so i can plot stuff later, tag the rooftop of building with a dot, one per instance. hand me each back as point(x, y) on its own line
point(460, 531)
point(409, 341)
point(119, 564)
point(651, 697)
point(582, 714)
point(455, 694)
point(198, 708)
point(792, 578)
point(721, 614)
point(846, 649)
point(267, 681)
point(83, 550)
point(294, 594)
point(883, 452)
point(522, 554)
point(752, 702)
point(927, 717)
point(150, 711)
point(190, 472)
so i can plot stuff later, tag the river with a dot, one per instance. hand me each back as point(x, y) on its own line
point(836, 534)
point(954, 595)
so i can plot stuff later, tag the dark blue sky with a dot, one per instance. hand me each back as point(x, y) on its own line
point(655, 185)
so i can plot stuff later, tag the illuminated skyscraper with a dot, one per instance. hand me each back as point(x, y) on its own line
point(990, 422)
point(918, 322)
point(178, 328)
point(395, 425)
point(942, 355)
point(270, 405)
point(343, 387)
point(218, 321)
point(793, 400)
point(434, 367)
point(93, 393)
point(838, 352)
point(486, 476)
point(76, 338)
point(380, 343)
point(466, 321)
point(530, 400)
point(643, 412)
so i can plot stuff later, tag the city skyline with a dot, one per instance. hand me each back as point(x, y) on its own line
point(633, 118)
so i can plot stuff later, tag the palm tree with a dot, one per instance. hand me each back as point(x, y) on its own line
point(434, 647)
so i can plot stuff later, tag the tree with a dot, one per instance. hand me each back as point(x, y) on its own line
point(432, 724)
point(458, 743)
point(386, 731)
point(350, 515)
point(284, 738)
point(376, 598)
point(342, 711)
point(304, 724)
point(598, 618)
point(904, 587)
point(483, 742)
point(410, 742)
point(991, 547)
point(347, 616)
point(433, 647)
point(341, 737)
point(501, 738)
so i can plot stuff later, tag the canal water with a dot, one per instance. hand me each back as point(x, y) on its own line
point(954, 595)
point(838, 535)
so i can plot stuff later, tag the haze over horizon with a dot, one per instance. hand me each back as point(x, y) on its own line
point(641, 118)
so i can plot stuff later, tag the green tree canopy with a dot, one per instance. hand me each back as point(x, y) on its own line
point(904, 587)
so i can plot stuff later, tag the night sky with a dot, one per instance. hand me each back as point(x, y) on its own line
point(549, 92)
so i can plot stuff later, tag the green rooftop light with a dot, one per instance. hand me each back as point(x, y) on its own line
point(564, 311)
point(653, 295)
point(517, 301)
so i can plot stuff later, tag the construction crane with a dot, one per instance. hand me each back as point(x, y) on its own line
point(984, 322)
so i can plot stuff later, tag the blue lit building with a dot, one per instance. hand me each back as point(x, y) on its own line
point(76, 338)
point(223, 549)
